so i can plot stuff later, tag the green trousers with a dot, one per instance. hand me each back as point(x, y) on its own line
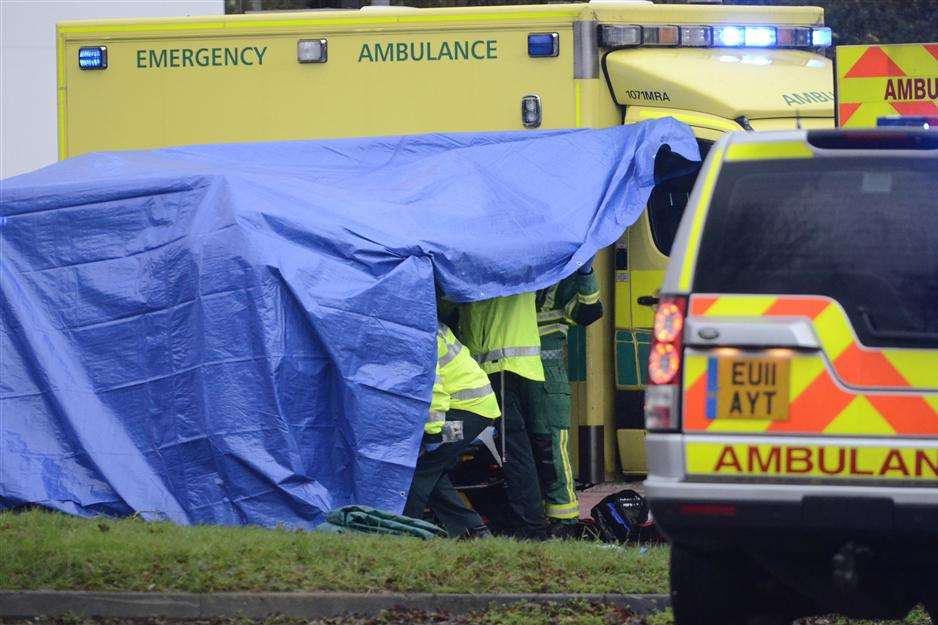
point(548, 406)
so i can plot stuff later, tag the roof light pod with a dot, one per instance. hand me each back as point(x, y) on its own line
point(793, 37)
point(760, 36)
point(661, 35)
point(696, 36)
point(920, 121)
point(619, 35)
point(92, 57)
point(543, 44)
point(312, 51)
point(729, 36)
point(822, 37)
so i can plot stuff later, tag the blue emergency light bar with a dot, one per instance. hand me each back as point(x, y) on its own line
point(92, 58)
point(909, 121)
point(614, 36)
point(543, 44)
point(729, 36)
point(822, 37)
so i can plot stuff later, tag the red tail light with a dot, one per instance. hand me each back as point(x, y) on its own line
point(664, 365)
point(664, 360)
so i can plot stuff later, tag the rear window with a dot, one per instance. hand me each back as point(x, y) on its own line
point(863, 231)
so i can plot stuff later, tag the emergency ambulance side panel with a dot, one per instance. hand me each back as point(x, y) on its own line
point(189, 83)
point(884, 81)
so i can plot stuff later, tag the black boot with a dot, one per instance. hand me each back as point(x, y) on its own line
point(482, 531)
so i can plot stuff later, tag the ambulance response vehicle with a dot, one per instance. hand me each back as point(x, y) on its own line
point(133, 84)
point(793, 401)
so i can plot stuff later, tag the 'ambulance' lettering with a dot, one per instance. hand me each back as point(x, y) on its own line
point(400, 52)
point(808, 97)
point(911, 89)
point(199, 57)
point(830, 461)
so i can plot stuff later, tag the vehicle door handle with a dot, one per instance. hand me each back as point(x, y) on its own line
point(647, 300)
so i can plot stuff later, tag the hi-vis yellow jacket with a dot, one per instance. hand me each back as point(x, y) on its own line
point(502, 335)
point(460, 383)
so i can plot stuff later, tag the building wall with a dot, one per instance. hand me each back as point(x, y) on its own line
point(27, 67)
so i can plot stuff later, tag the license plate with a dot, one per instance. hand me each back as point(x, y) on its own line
point(748, 388)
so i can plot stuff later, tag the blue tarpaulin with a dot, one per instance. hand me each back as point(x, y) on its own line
point(245, 333)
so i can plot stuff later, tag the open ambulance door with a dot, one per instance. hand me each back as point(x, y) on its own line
point(714, 91)
point(641, 257)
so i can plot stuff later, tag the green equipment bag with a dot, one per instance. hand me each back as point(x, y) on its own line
point(363, 519)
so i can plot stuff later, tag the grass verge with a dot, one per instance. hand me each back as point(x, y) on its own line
point(44, 550)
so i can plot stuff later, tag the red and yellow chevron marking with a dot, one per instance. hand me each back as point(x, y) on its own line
point(881, 81)
point(864, 392)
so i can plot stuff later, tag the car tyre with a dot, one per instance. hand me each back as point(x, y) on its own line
point(707, 587)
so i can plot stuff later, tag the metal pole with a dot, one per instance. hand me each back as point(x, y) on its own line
point(504, 418)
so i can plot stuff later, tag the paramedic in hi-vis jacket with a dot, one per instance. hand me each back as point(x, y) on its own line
point(502, 335)
point(574, 301)
point(463, 405)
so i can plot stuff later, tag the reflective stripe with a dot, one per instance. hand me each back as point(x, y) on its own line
point(452, 350)
point(572, 506)
point(590, 298)
point(552, 328)
point(549, 315)
point(846, 389)
point(769, 150)
point(563, 512)
point(567, 469)
point(550, 297)
point(568, 311)
point(473, 393)
point(699, 216)
point(552, 354)
point(436, 417)
point(508, 352)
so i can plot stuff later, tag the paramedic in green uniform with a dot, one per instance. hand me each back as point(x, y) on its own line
point(574, 301)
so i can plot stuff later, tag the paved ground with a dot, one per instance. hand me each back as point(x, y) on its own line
point(315, 605)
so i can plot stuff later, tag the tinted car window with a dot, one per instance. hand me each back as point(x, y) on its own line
point(675, 178)
point(863, 231)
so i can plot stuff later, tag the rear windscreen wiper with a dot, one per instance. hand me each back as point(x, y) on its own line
point(895, 335)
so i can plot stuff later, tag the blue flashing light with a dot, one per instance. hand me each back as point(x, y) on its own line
point(760, 36)
point(543, 44)
point(821, 37)
point(729, 36)
point(914, 121)
point(92, 58)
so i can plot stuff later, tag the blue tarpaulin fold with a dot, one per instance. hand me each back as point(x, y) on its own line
point(245, 333)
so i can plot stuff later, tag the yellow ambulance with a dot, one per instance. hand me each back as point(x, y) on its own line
point(146, 83)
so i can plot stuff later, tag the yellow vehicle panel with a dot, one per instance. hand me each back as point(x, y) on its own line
point(884, 81)
point(142, 100)
point(725, 83)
